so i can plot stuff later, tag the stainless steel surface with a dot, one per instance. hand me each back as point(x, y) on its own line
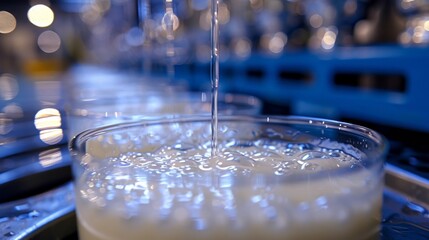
point(412, 186)
point(26, 218)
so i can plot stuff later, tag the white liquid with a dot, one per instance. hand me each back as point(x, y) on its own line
point(179, 191)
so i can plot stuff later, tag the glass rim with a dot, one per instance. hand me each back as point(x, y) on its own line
point(376, 161)
point(261, 118)
point(341, 126)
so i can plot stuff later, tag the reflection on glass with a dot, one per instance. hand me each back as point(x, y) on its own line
point(41, 15)
point(48, 122)
point(7, 22)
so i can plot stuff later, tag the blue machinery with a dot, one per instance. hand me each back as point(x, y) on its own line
point(383, 84)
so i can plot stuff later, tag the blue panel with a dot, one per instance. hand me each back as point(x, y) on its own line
point(272, 78)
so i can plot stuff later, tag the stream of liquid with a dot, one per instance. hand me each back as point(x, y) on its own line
point(169, 21)
point(214, 71)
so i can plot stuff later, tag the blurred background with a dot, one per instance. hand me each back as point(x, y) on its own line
point(360, 61)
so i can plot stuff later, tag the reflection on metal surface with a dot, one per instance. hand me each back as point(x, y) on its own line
point(414, 187)
point(50, 157)
point(8, 87)
point(6, 125)
point(41, 15)
point(34, 213)
point(51, 136)
point(48, 122)
point(7, 22)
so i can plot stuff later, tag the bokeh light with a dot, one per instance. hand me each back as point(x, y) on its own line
point(224, 14)
point(274, 43)
point(363, 30)
point(277, 42)
point(101, 6)
point(40, 15)
point(93, 12)
point(416, 31)
point(242, 47)
point(135, 37)
point(14, 111)
point(8, 87)
point(49, 41)
point(7, 22)
point(256, 4)
point(316, 20)
point(329, 39)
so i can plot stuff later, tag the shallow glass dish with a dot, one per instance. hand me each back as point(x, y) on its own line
point(272, 177)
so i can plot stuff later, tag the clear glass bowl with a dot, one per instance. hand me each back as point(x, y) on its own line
point(272, 178)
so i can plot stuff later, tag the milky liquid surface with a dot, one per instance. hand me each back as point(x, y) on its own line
point(252, 189)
